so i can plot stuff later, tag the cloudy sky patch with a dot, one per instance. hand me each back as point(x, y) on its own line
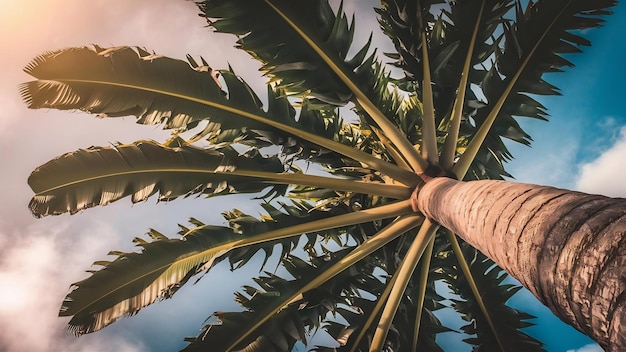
point(588, 348)
point(605, 175)
point(36, 270)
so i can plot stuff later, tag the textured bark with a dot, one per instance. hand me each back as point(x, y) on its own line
point(568, 248)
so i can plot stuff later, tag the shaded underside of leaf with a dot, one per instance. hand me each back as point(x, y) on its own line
point(125, 81)
point(135, 280)
point(508, 321)
point(100, 175)
point(316, 64)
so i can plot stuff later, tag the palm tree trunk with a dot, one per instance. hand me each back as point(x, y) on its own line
point(568, 248)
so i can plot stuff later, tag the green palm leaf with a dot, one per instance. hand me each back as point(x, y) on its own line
point(276, 329)
point(508, 321)
point(407, 267)
point(279, 331)
point(135, 280)
point(98, 176)
point(547, 31)
point(127, 81)
point(316, 63)
point(357, 335)
point(265, 34)
point(244, 333)
point(450, 41)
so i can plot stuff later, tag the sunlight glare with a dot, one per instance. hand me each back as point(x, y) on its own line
point(19, 13)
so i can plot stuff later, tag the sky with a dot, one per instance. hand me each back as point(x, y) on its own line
point(583, 147)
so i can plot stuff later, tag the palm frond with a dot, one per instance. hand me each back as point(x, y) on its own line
point(265, 35)
point(316, 63)
point(125, 81)
point(337, 296)
point(424, 270)
point(429, 133)
point(358, 334)
point(534, 46)
point(128, 81)
point(101, 175)
point(424, 237)
point(245, 333)
point(449, 149)
point(301, 217)
point(449, 44)
point(135, 280)
point(509, 321)
point(469, 276)
point(278, 326)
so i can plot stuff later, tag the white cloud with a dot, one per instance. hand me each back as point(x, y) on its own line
point(103, 343)
point(551, 158)
point(40, 259)
point(588, 348)
point(36, 270)
point(604, 174)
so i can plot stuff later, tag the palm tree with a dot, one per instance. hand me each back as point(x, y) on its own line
point(379, 213)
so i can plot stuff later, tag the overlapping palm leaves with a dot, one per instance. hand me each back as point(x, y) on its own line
point(379, 274)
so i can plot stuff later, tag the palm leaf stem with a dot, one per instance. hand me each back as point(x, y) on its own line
point(465, 161)
point(398, 227)
point(401, 208)
point(379, 189)
point(423, 280)
point(391, 170)
point(391, 131)
point(429, 133)
point(448, 151)
point(374, 312)
point(408, 265)
point(391, 149)
point(456, 248)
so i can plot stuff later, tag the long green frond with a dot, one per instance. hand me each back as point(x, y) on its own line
point(456, 248)
point(347, 185)
point(99, 176)
point(544, 28)
point(395, 229)
point(318, 46)
point(409, 263)
point(448, 151)
point(135, 280)
point(422, 284)
point(135, 83)
point(429, 132)
point(495, 293)
point(380, 303)
point(124, 81)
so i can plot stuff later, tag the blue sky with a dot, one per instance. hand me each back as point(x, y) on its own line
point(582, 147)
